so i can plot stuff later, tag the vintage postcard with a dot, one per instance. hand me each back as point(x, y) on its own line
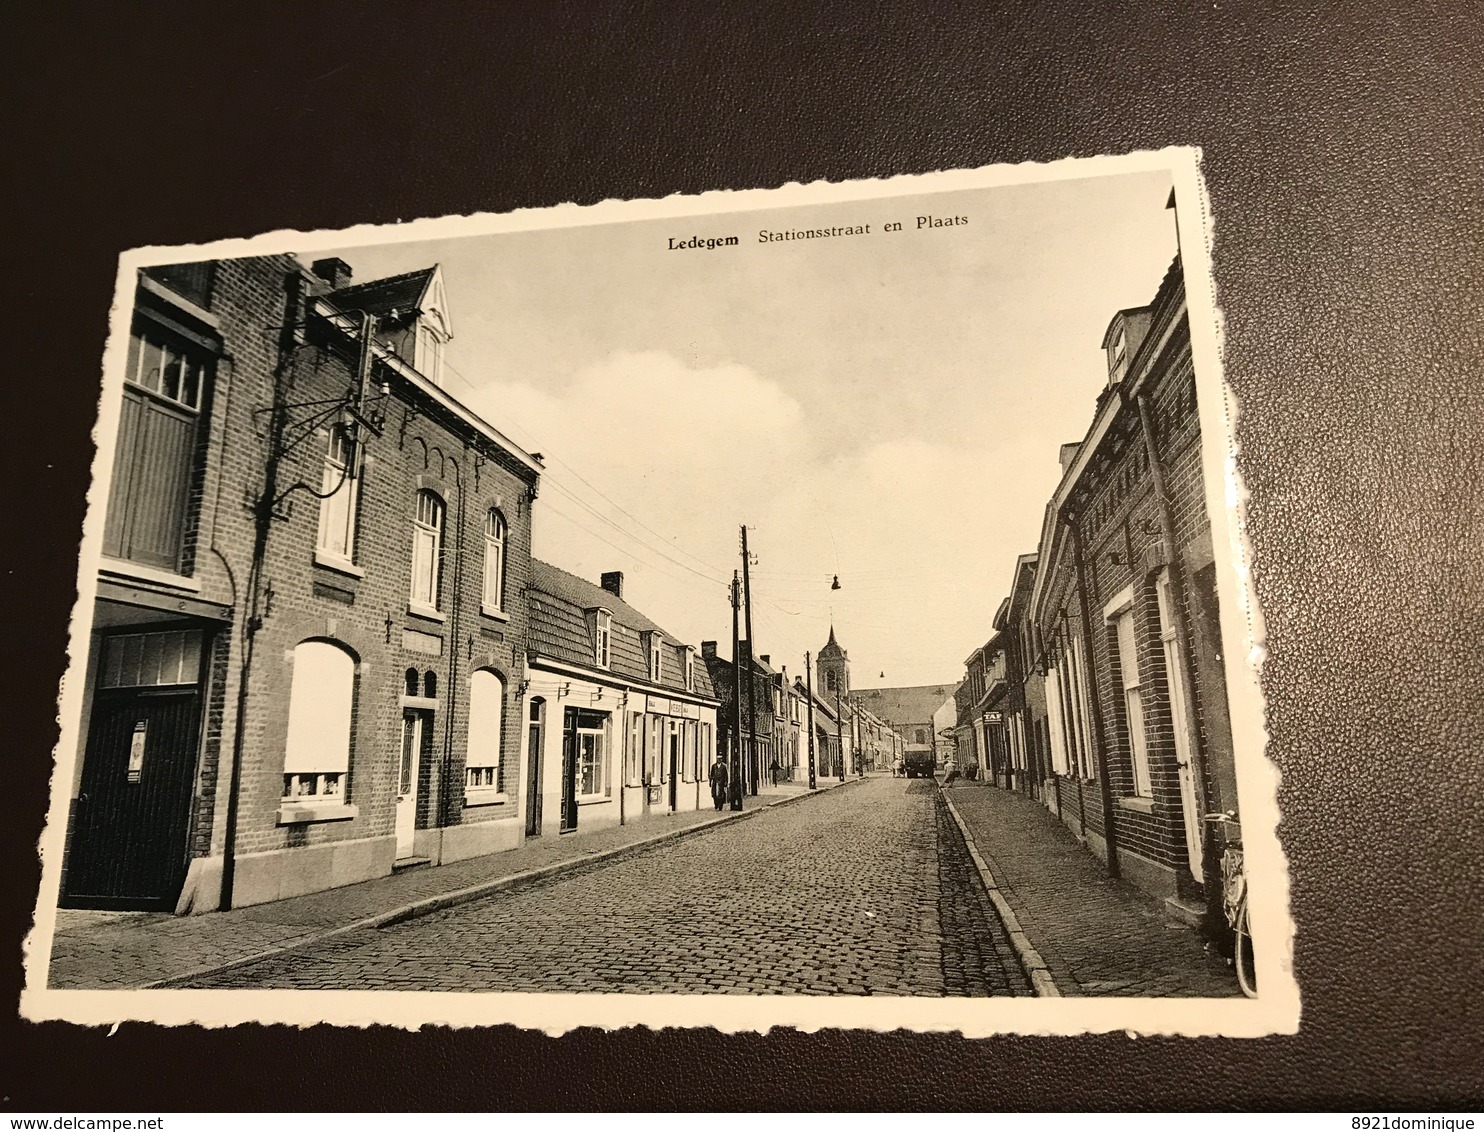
point(816, 607)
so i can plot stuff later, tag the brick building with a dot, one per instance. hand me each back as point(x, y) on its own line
point(619, 715)
point(915, 715)
point(762, 727)
point(307, 625)
point(1124, 615)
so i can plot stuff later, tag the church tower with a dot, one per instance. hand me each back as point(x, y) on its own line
point(834, 670)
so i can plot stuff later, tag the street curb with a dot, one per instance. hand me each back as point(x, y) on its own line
point(1030, 959)
point(437, 903)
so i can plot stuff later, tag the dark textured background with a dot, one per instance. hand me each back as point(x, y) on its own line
point(1343, 157)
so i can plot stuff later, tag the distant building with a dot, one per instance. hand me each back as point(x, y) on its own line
point(916, 715)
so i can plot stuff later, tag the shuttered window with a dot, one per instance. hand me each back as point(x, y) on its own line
point(154, 462)
point(484, 768)
point(316, 754)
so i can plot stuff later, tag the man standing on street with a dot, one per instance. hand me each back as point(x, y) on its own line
point(719, 783)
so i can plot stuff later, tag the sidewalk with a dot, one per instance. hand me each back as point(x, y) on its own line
point(113, 950)
point(1097, 936)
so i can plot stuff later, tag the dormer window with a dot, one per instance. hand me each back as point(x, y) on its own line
point(429, 359)
point(1118, 357)
point(690, 669)
point(602, 638)
point(656, 660)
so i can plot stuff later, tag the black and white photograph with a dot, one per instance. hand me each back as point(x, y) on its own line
point(817, 606)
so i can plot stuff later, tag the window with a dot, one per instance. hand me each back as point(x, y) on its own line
point(921, 736)
point(829, 681)
point(337, 510)
point(430, 353)
point(154, 463)
point(150, 660)
point(494, 561)
point(1174, 675)
point(690, 670)
point(427, 550)
point(602, 638)
point(1133, 701)
point(1118, 358)
point(316, 757)
point(634, 751)
point(484, 768)
point(591, 764)
point(656, 661)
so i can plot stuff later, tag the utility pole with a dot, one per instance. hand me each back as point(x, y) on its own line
point(840, 731)
point(752, 759)
point(809, 686)
point(734, 786)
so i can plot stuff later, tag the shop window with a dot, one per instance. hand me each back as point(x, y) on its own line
point(316, 760)
point(592, 778)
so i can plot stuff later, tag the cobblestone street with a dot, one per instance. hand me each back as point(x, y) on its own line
point(867, 889)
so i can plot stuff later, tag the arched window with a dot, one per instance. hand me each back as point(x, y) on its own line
point(316, 757)
point(409, 682)
point(430, 684)
point(427, 550)
point(484, 769)
point(829, 681)
point(494, 561)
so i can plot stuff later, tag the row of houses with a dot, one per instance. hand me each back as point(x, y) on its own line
point(1101, 690)
point(321, 649)
point(779, 716)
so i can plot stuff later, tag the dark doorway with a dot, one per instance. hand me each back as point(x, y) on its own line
point(536, 734)
point(674, 767)
point(132, 818)
point(569, 770)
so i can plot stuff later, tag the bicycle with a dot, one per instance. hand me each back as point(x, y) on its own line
point(1234, 900)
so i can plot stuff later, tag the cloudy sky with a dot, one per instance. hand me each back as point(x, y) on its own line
point(886, 407)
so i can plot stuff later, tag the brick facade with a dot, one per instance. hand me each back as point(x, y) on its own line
point(285, 367)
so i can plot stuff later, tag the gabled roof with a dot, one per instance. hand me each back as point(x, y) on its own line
point(403, 293)
point(559, 603)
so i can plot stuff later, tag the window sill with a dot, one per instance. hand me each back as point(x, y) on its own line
point(1138, 805)
point(485, 796)
point(308, 813)
point(494, 614)
point(139, 573)
point(338, 564)
point(427, 612)
point(595, 801)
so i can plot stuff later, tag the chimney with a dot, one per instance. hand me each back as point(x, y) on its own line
point(613, 582)
point(766, 659)
point(335, 272)
point(708, 650)
point(1067, 454)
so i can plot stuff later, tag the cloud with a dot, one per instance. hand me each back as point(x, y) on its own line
point(922, 532)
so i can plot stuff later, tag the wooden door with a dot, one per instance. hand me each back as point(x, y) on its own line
point(535, 736)
point(129, 847)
